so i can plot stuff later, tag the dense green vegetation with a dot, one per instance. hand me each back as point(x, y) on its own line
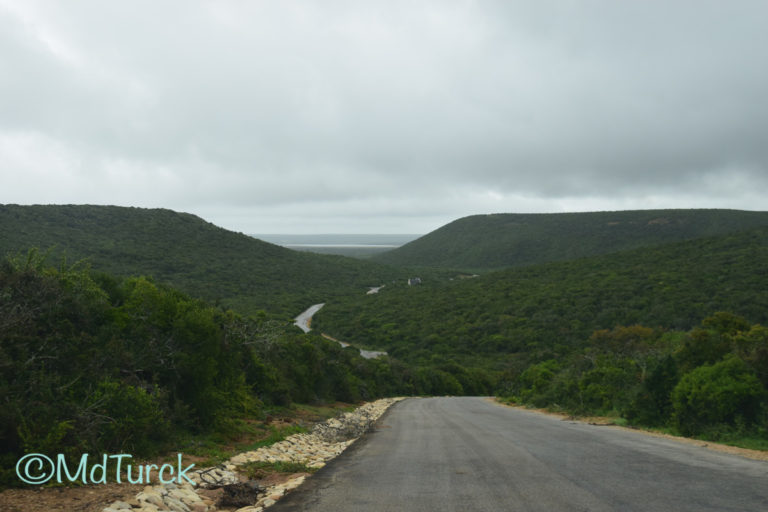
point(484, 242)
point(711, 381)
point(545, 310)
point(552, 334)
point(103, 361)
point(94, 363)
point(231, 269)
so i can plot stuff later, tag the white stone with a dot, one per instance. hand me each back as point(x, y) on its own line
point(175, 505)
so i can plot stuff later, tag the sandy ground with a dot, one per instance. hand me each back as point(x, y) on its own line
point(91, 498)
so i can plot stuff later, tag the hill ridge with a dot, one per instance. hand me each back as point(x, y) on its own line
point(186, 251)
point(502, 240)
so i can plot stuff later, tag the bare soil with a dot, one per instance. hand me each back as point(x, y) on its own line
point(273, 479)
point(90, 498)
point(93, 498)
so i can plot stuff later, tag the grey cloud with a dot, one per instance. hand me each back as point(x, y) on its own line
point(322, 110)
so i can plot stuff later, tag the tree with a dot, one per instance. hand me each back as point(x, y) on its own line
point(720, 394)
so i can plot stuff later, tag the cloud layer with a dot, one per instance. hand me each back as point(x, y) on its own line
point(383, 116)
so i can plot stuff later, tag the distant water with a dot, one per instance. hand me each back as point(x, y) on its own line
point(358, 245)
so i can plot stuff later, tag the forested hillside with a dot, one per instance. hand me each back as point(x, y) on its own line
point(667, 336)
point(545, 310)
point(104, 359)
point(94, 363)
point(484, 242)
point(199, 258)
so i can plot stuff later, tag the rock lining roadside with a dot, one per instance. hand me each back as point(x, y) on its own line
point(314, 449)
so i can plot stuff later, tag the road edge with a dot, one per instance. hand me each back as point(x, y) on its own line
point(303, 497)
point(708, 445)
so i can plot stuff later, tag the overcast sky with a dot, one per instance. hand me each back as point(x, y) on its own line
point(383, 116)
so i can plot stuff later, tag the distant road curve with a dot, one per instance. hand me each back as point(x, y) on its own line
point(469, 454)
point(304, 320)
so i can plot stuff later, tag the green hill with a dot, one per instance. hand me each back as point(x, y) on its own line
point(547, 310)
point(485, 242)
point(232, 269)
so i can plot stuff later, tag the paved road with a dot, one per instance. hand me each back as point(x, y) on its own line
point(468, 454)
point(305, 318)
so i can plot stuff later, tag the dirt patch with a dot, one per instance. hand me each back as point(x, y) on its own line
point(93, 498)
point(90, 498)
point(274, 479)
point(608, 422)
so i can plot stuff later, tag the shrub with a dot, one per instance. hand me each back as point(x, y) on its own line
point(725, 393)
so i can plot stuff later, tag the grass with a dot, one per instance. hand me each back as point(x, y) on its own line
point(252, 434)
point(261, 469)
point(750, 440)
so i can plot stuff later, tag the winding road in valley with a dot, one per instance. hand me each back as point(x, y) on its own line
point(304, 320)
point(470, 454)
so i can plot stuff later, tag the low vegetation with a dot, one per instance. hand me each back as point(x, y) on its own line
point(262, 469)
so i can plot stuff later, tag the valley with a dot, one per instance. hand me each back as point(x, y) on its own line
point(171, 317)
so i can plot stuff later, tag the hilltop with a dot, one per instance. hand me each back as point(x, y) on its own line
point(199, 258)
point(497, 241)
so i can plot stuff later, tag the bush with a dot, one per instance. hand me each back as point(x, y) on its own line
point(131, 419)
point(725, 393)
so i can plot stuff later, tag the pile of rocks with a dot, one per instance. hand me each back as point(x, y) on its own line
point(326, 441)
point(165, 497)
point(272, 494)
point(308, 449)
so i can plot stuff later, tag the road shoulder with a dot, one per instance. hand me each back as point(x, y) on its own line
point(608, 423)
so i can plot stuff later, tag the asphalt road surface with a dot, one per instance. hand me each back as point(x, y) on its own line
point(469, 454)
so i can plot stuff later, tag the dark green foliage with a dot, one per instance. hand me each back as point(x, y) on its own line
point(484, 242)
point(751, 345)
point(230, 269)
point(544, 311)
point(130, 418)
point(133, 365)
point(648, 386)
point(537, 381)
point(652, 405)
point(103, 362)
point(610, 335)
point(726, 392)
